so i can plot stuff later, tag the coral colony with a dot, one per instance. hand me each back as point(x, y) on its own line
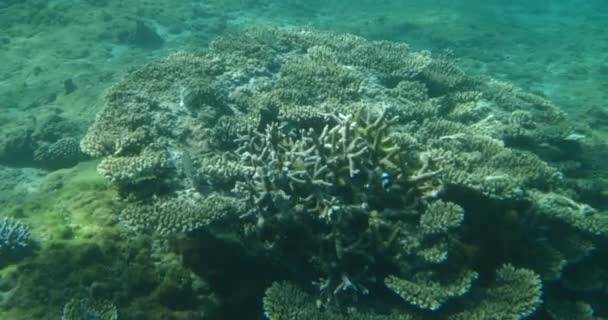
point(13, 235)
point(368, 170)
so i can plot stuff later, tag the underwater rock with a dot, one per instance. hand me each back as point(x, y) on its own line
point(142, 36)
point(69, 86)
point(16, 146)
point(16, 183)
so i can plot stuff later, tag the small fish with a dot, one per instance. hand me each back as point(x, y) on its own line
point(386, 182)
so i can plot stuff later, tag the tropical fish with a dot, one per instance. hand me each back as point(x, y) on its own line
point(386, 182)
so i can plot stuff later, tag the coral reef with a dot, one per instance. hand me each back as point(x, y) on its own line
point(80, 309)
point(13, 235)
point(515, 294)
point(392, 181)
point(184, 212)
point(49, 142)
point(63, 153)
point(332, 183)
point(285, 301)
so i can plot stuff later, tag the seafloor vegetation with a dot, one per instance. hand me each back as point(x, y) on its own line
point(288, 173)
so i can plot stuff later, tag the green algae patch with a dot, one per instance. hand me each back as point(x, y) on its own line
point(73, 204)
point(70, 217)
point(82, 255)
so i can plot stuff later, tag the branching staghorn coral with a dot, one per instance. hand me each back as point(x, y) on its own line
point(13, 235)
point(334, 182)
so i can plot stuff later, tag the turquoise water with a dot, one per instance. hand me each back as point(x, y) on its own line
point(257, 159)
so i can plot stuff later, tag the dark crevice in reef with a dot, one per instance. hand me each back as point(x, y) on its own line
point(236, 276)
point(491, 228)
